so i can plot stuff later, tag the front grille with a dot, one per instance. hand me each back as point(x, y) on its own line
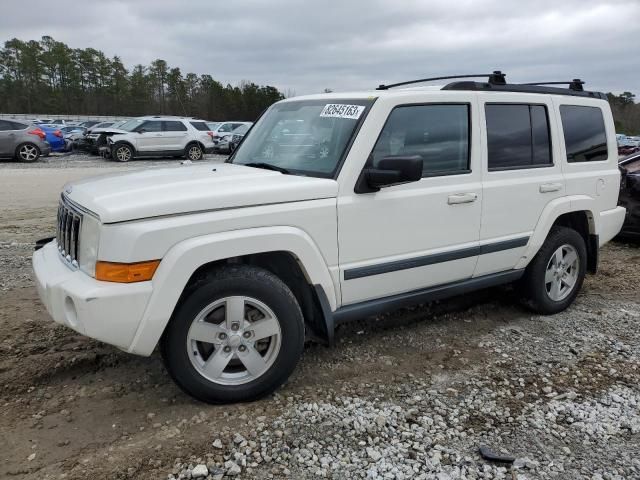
point(68, 233)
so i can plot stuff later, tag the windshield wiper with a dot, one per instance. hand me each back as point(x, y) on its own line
point(267, 166)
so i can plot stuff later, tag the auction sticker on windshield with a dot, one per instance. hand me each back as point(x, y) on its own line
point(340, 110)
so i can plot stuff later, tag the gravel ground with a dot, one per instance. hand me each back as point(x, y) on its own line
point(409, 395)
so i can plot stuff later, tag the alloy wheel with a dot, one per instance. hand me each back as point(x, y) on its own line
point(28, 153)
point(123, 154)
point(562, 273)
point(234, 340)
point(195, 153)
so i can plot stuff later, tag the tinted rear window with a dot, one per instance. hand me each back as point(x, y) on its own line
point(203, 127)
point(517, 136)
point(173, 126)
point(584, 133)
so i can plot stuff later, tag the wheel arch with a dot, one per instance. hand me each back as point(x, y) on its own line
point(195, 142)
point(286, 251)
point(22, 144)
point(576, 212)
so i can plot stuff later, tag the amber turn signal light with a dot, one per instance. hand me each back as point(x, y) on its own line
point(126, 272)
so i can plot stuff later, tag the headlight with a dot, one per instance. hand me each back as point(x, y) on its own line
point(89, 240)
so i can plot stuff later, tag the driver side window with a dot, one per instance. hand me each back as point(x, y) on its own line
point(438, 133)
point(151, 126)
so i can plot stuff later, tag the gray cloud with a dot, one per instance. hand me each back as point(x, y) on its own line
point(306, 47)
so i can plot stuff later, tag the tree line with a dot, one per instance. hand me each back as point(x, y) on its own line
point(49, 77)
point(626, 113)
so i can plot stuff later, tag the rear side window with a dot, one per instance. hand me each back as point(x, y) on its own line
point(517, 136)
point(437, 133)
point(203, 127)
point(173, 126)
point(584, 133)
point(5, 125)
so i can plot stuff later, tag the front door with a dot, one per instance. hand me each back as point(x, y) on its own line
point(412, 236)
point(7, 138)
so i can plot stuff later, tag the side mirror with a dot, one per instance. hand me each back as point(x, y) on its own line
point(393, 170)
point(142, 130)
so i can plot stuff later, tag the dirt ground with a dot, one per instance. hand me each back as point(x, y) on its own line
point(73, 408)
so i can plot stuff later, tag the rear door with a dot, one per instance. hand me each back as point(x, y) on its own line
point(522, 174)
point(149, 137)
point(174, 135)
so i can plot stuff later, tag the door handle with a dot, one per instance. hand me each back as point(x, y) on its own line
point(458, 198)
point(550, 187)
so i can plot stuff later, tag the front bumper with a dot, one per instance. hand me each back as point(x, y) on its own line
point(105, 311)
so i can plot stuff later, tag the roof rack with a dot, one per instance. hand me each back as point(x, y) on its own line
point(495, 78)
point(575, 84)
point(497, 82)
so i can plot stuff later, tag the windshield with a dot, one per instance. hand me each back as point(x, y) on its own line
point(129, 125)
point(307, 137)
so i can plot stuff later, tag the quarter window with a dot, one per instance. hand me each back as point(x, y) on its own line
point(437, 133)
point(5, 125)
point(584, 133)
point(517, 136)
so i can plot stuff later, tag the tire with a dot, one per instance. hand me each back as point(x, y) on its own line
point(193, 152)
point(263, 297)
point(27, 152)
point(555, 275)
point(122, 152)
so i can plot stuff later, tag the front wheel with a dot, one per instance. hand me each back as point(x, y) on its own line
point(237, 336)
point(555, 275)
point(28, 152)
point(122, 152)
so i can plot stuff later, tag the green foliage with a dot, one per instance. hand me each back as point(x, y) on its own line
point(626, 113)
point(48, 77)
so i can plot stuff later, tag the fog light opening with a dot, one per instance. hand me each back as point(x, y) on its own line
point(70, 312)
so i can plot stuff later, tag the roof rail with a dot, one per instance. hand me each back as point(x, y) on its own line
point(495, 78)
point(575, 84)
point(575, 88)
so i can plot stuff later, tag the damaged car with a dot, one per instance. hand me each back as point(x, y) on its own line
point(630, 194)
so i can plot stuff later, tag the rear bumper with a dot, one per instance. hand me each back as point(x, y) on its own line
point(610, 224)
point(105, 311)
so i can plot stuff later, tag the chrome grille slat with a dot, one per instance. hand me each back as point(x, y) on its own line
point(69, 223)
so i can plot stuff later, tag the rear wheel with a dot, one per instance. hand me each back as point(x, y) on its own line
point(122, 152)
point(554, 277)
point(237, 336)
point(193, 152)
point(27, 152)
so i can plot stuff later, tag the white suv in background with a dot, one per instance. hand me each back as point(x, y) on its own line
point(157, 136)
point(379, 200)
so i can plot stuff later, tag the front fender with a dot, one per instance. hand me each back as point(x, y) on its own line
point(184, 258)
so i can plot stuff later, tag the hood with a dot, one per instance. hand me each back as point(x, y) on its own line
point(191, 188)
point(107, 130)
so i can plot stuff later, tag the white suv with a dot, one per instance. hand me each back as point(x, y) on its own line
point(160, 137)
point(376, 201)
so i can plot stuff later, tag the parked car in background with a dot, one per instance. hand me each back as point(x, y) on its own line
point(157, 136)
point(54, 137)
point(224, 142)
point(222, 129)
point(236, 137)
point(628, 145)
point(89, 123)
point(630, 194)
point(95, 137)
point(22, 141)
point(72, 134)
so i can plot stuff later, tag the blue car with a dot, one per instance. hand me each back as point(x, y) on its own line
point(54, 137)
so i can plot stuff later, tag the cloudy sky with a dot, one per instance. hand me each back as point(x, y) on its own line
point(304, 47)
